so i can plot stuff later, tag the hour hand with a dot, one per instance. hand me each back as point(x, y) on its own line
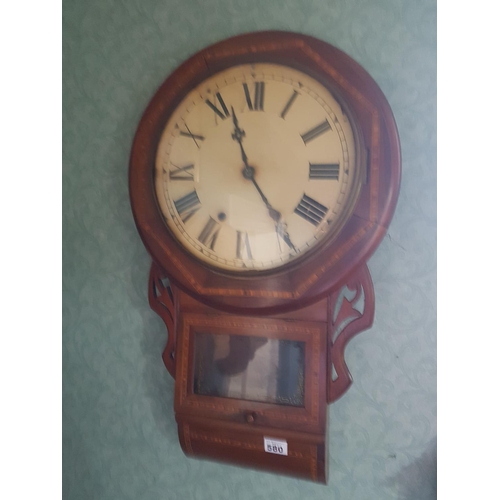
point(238, 133)
point(237, 136)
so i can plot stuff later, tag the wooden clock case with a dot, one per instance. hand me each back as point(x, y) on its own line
point(305, 300)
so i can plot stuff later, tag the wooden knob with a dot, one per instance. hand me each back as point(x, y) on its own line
point(250, 417)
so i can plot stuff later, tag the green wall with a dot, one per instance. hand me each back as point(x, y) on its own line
point(119, 434)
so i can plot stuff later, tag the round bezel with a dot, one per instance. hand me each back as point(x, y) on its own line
point(314, 274)
point(204, 174)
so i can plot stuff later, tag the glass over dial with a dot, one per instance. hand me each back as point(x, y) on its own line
point(256, 167)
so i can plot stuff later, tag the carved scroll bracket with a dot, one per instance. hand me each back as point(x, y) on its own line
point(351, 310)
point(161, 300)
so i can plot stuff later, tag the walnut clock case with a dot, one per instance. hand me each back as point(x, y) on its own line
point(263, 175)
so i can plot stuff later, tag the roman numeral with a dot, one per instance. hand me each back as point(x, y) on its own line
point(311, 210)
point(187, 205)
point(324, 171)
point(181, 173)
point(195, 137)
point(316, 132)
point(288, 105)
point(258, 102)
point(221, 114)
point(209, 233)
point(243, 245)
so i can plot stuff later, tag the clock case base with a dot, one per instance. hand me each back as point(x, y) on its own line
point(232, 430)
point(243, 446)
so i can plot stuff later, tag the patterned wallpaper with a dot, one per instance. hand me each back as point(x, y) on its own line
point(119, 434)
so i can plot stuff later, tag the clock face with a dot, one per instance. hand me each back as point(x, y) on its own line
point(256, 167)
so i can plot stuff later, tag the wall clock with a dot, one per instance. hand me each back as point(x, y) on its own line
point(263, 174)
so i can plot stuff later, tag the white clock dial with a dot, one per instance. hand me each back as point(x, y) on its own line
point(255, 167)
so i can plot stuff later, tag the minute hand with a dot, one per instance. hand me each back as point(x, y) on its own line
point(274, 214)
